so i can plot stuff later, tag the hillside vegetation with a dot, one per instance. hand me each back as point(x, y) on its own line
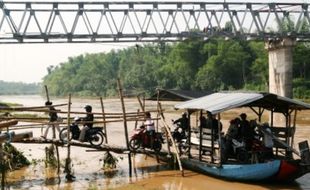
point(16, 88)
point(193, 64)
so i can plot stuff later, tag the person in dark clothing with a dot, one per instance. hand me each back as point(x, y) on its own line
point(88, 122)
point(203, 122)
point(183, 122)
point(233, 129)
point(246, 131)
point(53, 119)
point(213, 124)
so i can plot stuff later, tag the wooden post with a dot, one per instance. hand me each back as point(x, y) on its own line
point(157, 109)
point(141, 104)
point(15, 137)
point(136, 122)
point(68, 160)
point(46, 92)
point(8, 123)
point(219, 137)
point(125, 123)
point(104, 121)
point(294, 128)
point(166, 132)
point(3, 172)
point(200, 138)
point(172, 140)
point(54, 133)
point(189, 133)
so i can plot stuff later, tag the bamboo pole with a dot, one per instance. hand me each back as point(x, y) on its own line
point(3, 172)
point(46, 92)
point(166, 132)
point(173, 143)
point(8, 123)
point(141, 104)
point(68, 171)
point(43, 109)
point(136, 122)
point(40, 119)
point(15, 137)
point(125, 123)
point(63, 123)
point(33, 108)
point(157, 109)
point(104, 121)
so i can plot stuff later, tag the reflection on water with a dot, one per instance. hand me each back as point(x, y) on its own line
point(146, 172)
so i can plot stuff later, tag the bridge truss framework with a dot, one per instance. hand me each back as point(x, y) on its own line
point(133, 21)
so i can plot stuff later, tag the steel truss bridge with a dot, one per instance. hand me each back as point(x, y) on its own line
point(146, 21)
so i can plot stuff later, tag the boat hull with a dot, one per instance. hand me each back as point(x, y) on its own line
point(236, 172)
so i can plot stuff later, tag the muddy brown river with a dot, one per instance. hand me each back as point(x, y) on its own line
point(147, 174)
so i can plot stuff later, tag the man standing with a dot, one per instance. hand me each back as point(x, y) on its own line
point(213, 124)
point(53, 119)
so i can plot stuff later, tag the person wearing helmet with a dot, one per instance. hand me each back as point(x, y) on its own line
point(88, 122)
point(183, 122)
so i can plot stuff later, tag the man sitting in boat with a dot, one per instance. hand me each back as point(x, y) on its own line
point(246, 131)
point(232, 134)
point(233, 129)
point(268, 141)
point(213, 124)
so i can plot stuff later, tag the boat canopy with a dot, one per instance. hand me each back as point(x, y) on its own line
point(222, 101)
point(177, 95)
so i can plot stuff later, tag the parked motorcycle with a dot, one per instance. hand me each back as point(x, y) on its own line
point(239, 151)
point(140, 138)
point(179, 135)
point(94, 136)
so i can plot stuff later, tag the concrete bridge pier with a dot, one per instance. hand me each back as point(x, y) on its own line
point(280, 54)
point(280, 66)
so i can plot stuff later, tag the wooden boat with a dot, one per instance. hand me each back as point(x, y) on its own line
point(206, 154)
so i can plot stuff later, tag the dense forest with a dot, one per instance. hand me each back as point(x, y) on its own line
point(213, 65)
point(16, 88)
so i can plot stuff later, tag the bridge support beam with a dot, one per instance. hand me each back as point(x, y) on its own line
point(280, 66)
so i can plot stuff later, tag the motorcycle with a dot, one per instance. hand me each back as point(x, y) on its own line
point(236, 149)
point(179, 135)
point(140, 138)
point(94, 136)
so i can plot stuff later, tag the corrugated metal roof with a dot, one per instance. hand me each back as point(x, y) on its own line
point(177, 95)
point(222, 101)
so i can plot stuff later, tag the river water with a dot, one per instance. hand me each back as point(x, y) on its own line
point(147, 174)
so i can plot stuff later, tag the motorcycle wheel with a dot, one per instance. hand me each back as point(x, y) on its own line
point(63, 135)
point(157, 146)
point(96, 139)
point(134, 144)
point(242, 156)
point(183, 148)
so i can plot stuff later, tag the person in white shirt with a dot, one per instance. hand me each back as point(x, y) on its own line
point(268, 141)
point(150, 127)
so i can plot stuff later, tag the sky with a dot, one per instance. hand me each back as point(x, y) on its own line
point(28, 62)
